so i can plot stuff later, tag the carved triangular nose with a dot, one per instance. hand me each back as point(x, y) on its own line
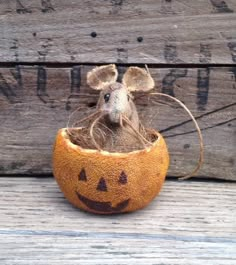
point(82, 175)
point(102, 185)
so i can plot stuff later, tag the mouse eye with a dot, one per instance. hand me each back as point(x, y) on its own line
point(107, 97)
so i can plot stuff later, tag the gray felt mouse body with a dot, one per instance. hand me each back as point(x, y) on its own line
point(115, 100)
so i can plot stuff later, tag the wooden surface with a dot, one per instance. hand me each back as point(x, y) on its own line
point(36, 101)
point(153, 31)
point(189, 223)
point(47, 47)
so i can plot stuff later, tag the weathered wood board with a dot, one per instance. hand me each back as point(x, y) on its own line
point(189, 223)
point(36, 101)
point(153, 31)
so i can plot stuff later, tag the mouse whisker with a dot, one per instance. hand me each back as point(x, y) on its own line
point(70, 116)
point(88, 117)
point(165, 103)
point(101, 133)
point(92, 128)
point(106, 132)
point(107, 128)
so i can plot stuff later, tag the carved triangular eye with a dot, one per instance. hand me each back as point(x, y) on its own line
point(102, 185)
point(82, 175)
point(123, 178)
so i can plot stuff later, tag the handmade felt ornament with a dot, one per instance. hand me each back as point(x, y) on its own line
point(112, 164)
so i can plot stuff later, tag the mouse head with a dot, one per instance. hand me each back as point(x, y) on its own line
point(116, 98)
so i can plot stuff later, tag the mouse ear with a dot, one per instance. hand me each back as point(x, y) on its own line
point(101, 76)
point(138, 79)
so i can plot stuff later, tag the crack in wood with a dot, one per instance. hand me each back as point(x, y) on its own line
point(174, 65)
point(202, 129)
point(197, 117)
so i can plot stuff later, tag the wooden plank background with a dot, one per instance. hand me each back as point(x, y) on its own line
point(46, 48)
point(37, 101)
point(127, 31)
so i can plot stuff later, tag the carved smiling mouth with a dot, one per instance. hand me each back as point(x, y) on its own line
point(103, 207)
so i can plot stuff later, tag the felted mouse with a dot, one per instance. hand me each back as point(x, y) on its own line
point(123, 128)
point(115, 125)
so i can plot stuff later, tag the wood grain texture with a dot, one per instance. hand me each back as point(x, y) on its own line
point(36, 101)
point(189, 223)
point(153, 31)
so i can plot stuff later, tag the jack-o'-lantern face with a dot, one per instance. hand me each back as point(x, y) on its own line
point(106, 183)
point(106, 206)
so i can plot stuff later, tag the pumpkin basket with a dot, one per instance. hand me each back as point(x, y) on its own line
point(104, 182)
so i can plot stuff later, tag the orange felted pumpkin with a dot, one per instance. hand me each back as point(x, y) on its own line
point(105, 183)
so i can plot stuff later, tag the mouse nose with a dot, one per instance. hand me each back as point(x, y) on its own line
point(115, 116)
point(119, 109)
point(118, 105)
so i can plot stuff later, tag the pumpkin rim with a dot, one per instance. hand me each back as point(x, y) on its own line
point(66, 138)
